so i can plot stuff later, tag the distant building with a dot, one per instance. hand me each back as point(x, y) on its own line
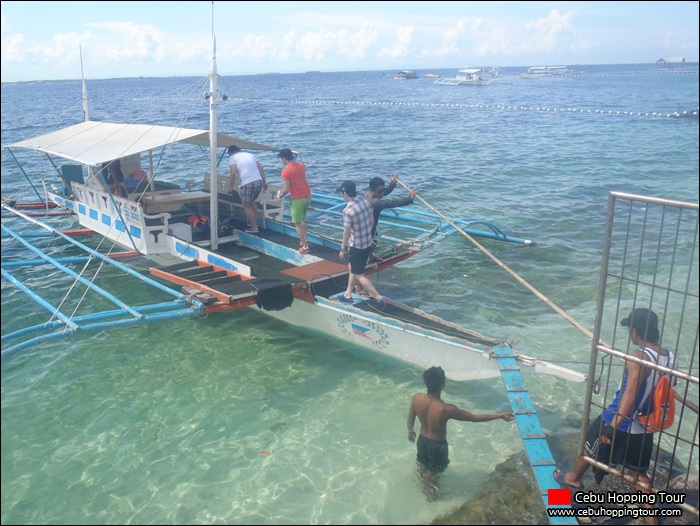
point(671, 62)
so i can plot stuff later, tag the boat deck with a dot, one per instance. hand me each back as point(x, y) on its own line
point(325, 274)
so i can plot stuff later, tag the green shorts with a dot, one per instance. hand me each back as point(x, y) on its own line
point(299, 207)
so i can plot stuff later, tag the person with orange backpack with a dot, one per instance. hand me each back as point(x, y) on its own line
point(618, 436)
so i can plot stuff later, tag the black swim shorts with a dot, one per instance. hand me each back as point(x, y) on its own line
point(433, 454)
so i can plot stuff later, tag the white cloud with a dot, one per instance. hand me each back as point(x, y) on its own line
point(356, 45)
point(12, 49)
point(316, 45)
point(548, 34)
point(402, 44)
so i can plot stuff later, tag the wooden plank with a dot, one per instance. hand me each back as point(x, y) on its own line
point(319, 269)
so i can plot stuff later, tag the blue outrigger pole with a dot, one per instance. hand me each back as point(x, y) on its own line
point(68, 326)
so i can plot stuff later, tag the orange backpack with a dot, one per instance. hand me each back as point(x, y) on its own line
point(662, 408)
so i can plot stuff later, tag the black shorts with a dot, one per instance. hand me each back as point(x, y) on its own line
point(432, 454)
point(631, 450)
point(358, 259)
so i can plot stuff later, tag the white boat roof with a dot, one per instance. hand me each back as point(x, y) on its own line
point(469, 70)
point(93, 143)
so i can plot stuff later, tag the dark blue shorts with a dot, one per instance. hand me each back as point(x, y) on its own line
point(358, 259)
point(432, 454)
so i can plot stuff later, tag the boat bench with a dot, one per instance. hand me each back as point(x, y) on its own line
point(268, 203)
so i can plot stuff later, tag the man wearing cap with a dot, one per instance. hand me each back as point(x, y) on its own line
point(378, 190)
point(294, 179)
point(626, 439)
point(357, 237)
point(252, 174)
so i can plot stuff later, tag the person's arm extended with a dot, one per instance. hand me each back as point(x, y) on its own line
point(465, 416)
point(382, 204)
point(392, 184)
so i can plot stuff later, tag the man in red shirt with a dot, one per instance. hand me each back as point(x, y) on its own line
point(294, 179)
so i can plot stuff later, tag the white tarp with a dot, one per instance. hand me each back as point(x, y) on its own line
point(93, 143)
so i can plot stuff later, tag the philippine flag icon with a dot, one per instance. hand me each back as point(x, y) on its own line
point(559, 497)
point(360, 331)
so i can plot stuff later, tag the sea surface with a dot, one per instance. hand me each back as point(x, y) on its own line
point(239, 419)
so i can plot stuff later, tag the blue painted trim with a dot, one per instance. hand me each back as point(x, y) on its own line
point(219, 262)
point(536, 447)
point(186, 250)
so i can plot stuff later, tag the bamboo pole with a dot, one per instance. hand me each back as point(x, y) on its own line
point(532, 289)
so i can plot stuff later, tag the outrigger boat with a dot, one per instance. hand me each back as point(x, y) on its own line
point(195, 237)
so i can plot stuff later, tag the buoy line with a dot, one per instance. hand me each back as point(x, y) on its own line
point(553, 109)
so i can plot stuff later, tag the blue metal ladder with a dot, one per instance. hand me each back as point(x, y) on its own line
point(539, 455)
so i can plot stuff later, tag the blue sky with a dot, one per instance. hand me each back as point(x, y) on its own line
point(41, 40)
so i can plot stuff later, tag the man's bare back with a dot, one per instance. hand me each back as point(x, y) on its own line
point(433, 414)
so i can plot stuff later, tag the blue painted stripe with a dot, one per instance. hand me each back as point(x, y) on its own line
point(186, 250)
point(219, 262)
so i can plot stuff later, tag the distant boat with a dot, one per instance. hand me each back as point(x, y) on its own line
point(538, 72)
point(466, 77)
point(405, 75)
point(431, 76)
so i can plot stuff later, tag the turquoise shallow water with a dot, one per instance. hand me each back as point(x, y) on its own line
point(168, 423)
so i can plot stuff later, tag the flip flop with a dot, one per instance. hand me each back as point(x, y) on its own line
point(558, 476)
point(383, 303)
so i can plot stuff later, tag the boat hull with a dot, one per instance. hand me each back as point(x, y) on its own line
point(406, 342)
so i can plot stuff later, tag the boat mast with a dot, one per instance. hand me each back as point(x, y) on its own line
point(85, 98)
point(213, 131)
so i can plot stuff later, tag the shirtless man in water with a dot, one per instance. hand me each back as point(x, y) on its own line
point(433, 414)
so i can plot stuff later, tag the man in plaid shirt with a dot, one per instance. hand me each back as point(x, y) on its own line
point(358, 220)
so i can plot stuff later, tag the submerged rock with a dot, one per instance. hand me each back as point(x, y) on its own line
point(510, 494)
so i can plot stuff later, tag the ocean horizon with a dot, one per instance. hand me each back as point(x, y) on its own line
point(580, 68)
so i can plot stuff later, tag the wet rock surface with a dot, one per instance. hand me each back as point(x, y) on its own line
point(510, 494)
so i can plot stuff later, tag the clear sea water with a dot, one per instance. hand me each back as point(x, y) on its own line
point(168, 423)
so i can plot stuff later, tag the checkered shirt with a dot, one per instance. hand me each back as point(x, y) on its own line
point(359, 216)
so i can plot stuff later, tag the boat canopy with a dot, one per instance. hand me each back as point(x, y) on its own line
point(93, 143)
